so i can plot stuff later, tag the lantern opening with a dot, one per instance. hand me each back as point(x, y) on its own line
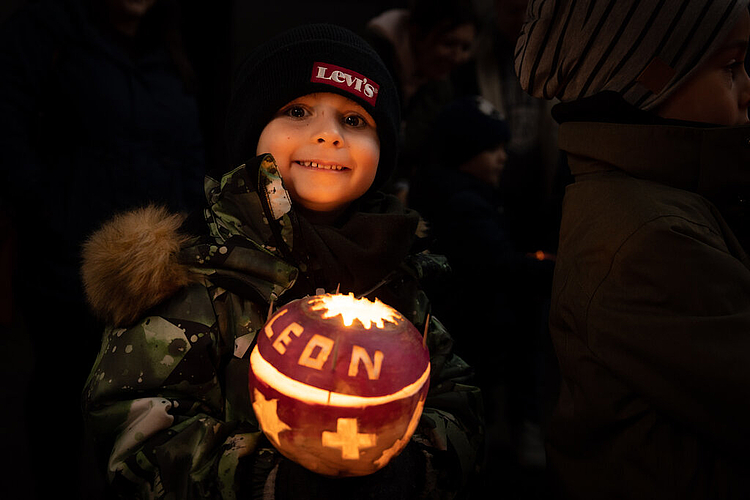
point(350, 308)
point(270, 375)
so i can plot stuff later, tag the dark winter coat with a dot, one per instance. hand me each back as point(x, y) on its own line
point(650, 314)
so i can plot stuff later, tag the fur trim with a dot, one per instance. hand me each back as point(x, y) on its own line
point(130, 264)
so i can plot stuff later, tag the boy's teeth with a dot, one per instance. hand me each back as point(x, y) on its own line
point(325, 167)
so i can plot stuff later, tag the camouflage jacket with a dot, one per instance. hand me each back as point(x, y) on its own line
point(167, 397)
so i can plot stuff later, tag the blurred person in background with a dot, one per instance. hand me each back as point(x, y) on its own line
point(99, 115)
point(650, 313)
point(497, 297)
point(535, 173)
point(422, 46)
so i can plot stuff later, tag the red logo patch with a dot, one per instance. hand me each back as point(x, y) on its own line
point(345, 79)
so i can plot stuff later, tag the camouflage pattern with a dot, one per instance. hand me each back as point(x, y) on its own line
point(167, 398)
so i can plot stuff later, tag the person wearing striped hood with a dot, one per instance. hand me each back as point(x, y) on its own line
point(650, 313)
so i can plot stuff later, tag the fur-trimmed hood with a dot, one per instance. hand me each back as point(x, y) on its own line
point(131, 264)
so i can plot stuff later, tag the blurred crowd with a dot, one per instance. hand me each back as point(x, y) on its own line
point(479, 161)
point(107, 106)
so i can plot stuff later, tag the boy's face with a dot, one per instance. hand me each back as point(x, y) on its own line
point(327, 149)
point(719, 91)
point(487, 166)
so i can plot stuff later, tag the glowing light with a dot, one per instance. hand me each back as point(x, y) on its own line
point(267, 373)
point(348, 438)
point(350, 308)
point(401, 443)
point(329, 386)
point(267, 414)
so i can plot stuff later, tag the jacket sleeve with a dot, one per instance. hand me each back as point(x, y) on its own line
point(155, 405)
point(451, 431)
point(672, 320)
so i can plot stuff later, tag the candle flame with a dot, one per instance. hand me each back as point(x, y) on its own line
point(350, 308)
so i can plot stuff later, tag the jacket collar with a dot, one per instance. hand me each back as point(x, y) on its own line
point(266, 248)
point(708, 161)
point(250, 232)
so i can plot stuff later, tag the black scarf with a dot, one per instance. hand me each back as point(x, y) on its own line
point(373, 239)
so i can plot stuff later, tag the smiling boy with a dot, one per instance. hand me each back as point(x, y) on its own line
point(312, 133)
point(650, 308)
point(327, 149)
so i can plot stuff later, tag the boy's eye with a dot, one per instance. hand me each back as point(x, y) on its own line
point(296, 111)
point(355, 121)
point(733, 67)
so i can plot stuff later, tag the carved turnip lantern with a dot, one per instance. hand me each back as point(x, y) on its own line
point(338, 383)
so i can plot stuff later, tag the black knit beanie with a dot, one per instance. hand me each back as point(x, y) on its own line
point(466, 127)
point(303, 60)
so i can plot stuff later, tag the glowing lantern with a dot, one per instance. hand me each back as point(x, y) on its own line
point(338, 383)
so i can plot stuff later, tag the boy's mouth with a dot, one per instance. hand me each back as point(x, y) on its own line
point(321, 165)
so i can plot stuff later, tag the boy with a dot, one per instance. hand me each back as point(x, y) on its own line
point(506, 288)
point(651, 294)
point(167, 397)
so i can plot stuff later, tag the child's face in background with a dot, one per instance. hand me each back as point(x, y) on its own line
point(487, 166)
point(719, 91)
point(327, 149)
point(439, 53)
point(130, 8)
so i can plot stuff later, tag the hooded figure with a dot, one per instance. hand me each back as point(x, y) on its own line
point(650, 313)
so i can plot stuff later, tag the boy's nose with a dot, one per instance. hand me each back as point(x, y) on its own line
point(328, 130)
point(744, 95)
point(460, 55)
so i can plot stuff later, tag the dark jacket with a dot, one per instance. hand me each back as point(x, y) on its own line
point(500, 284)
point(650, 314)
point(168, 396)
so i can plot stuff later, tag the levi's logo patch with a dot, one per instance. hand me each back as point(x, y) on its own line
point(345, 79)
